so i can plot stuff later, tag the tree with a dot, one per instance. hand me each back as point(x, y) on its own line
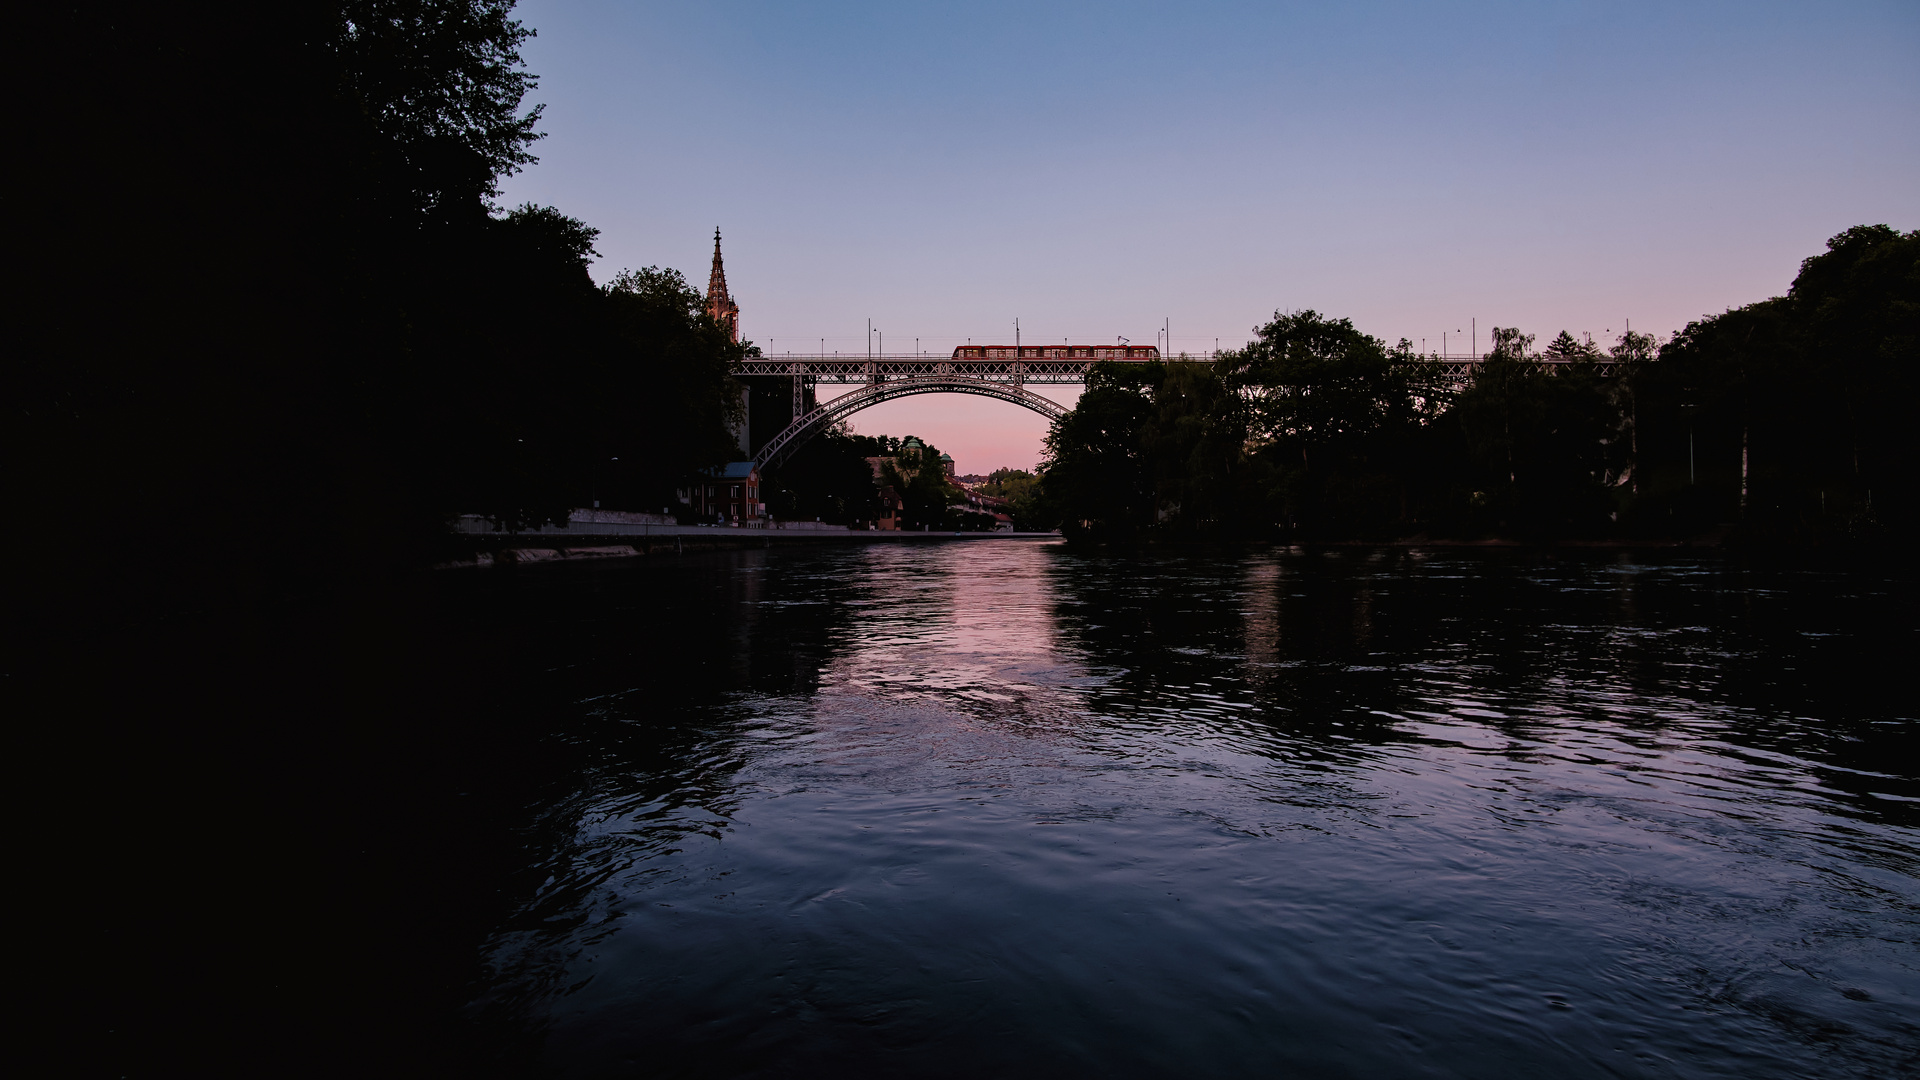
point(220, 346)
point(1025, 493)
point(829, 478)
point(1331, 412)
point(676, 401)
point(1564, 349)
point(222, 335)
point(1195, 444)
point(1788, 415)
point(1629, 352)
point(914, 472)
point(436, 88)
point(1543, 442)
point(1632, 348)
point(1310, 381)
point(1858, 306)
point(1097, 470)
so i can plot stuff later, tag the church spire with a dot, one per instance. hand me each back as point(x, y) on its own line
point(719, 304)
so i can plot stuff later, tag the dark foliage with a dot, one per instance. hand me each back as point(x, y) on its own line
point(1787, 415)
point(435, 90)
point(1541, 445)
point(1097, 468)
point(1778, 422)
point(828, 479)
point(835, 478)
point(1332, 413)
point(926, 495)
point(272, 299)
point(1026, 495)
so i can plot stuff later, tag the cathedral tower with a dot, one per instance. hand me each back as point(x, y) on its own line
point(719, 304)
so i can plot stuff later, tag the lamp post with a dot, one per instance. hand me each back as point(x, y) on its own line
point(1688, 410)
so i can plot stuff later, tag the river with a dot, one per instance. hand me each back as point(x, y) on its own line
point(999, 808)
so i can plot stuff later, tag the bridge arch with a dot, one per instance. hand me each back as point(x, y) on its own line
point(828, 413)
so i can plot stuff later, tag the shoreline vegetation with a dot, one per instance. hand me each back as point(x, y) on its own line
point(1780, 423)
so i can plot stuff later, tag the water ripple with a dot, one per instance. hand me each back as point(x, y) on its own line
point(1005, 808)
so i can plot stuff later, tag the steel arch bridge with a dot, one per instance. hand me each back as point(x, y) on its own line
point(828, 413)
point(1002, 372)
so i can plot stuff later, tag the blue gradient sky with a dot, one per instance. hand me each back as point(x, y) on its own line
point(1094, 169)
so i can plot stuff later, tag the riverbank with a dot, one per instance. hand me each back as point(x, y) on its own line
point(1729, 538)
point(561, 545)
point(1710, 541)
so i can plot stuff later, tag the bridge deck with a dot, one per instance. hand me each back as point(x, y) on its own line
point(1042, 371)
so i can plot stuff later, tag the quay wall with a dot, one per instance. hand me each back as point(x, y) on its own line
point(474, 542)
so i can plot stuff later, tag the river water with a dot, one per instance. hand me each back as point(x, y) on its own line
point(1001, 808)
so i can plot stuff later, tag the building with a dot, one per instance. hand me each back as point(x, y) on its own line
point(910, 449)
point(891, 509)
point(989, 513)
point(729, 495)
point(770, 402)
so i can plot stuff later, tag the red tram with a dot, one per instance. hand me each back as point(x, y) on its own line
point(1057, 352)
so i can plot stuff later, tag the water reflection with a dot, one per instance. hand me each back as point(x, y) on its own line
point(1003, 807)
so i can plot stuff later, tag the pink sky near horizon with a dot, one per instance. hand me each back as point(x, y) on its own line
point(982, 434)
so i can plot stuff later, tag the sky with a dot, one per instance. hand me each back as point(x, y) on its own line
point(1098, 170)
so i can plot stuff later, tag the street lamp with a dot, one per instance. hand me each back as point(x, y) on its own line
point(1688, 410)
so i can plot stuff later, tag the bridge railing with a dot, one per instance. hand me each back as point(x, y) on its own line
point(889, 368)
point(1455, 368)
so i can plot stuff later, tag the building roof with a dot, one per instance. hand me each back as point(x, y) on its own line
point(732, 470)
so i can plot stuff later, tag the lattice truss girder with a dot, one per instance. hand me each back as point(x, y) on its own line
point(915, 367)
point(1043, 371)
